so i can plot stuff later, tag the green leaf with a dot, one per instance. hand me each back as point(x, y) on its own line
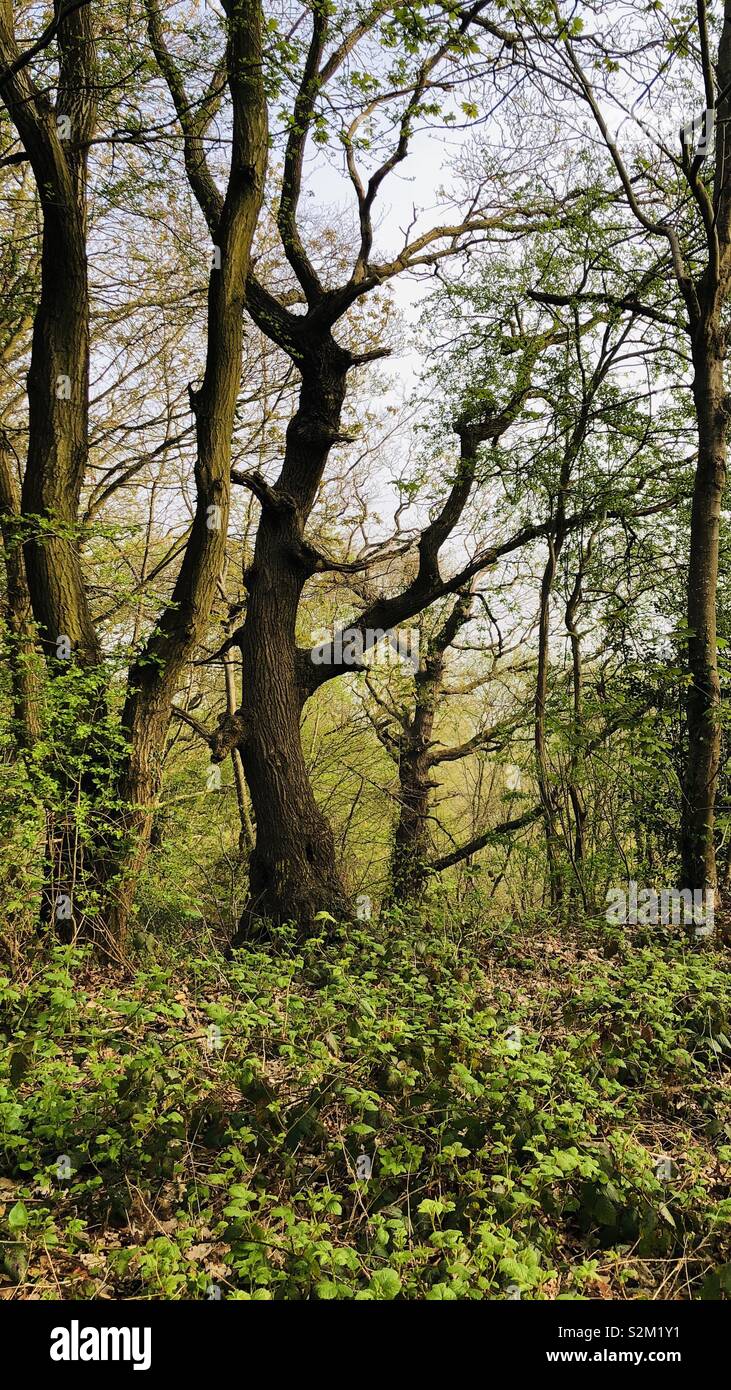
point(326, 1289)
point(18, 1217)
point(385, 1284)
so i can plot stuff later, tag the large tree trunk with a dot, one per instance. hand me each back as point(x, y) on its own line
point(293, 872)
point(56, 142)
point(58, 393)
point(58, 379)
point(703, 705)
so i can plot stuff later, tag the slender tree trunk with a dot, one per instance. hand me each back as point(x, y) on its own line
point(155, 677)
point(556, 540)
point(417, 757)
point(703, 705)
point(246, 831)
point(575, 791)
point(23, 656)
point(706, 300)
point(411, 840)
point(545, 789)
point(232, 220)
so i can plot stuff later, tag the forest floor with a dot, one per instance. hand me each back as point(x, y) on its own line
point(412, 1109)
